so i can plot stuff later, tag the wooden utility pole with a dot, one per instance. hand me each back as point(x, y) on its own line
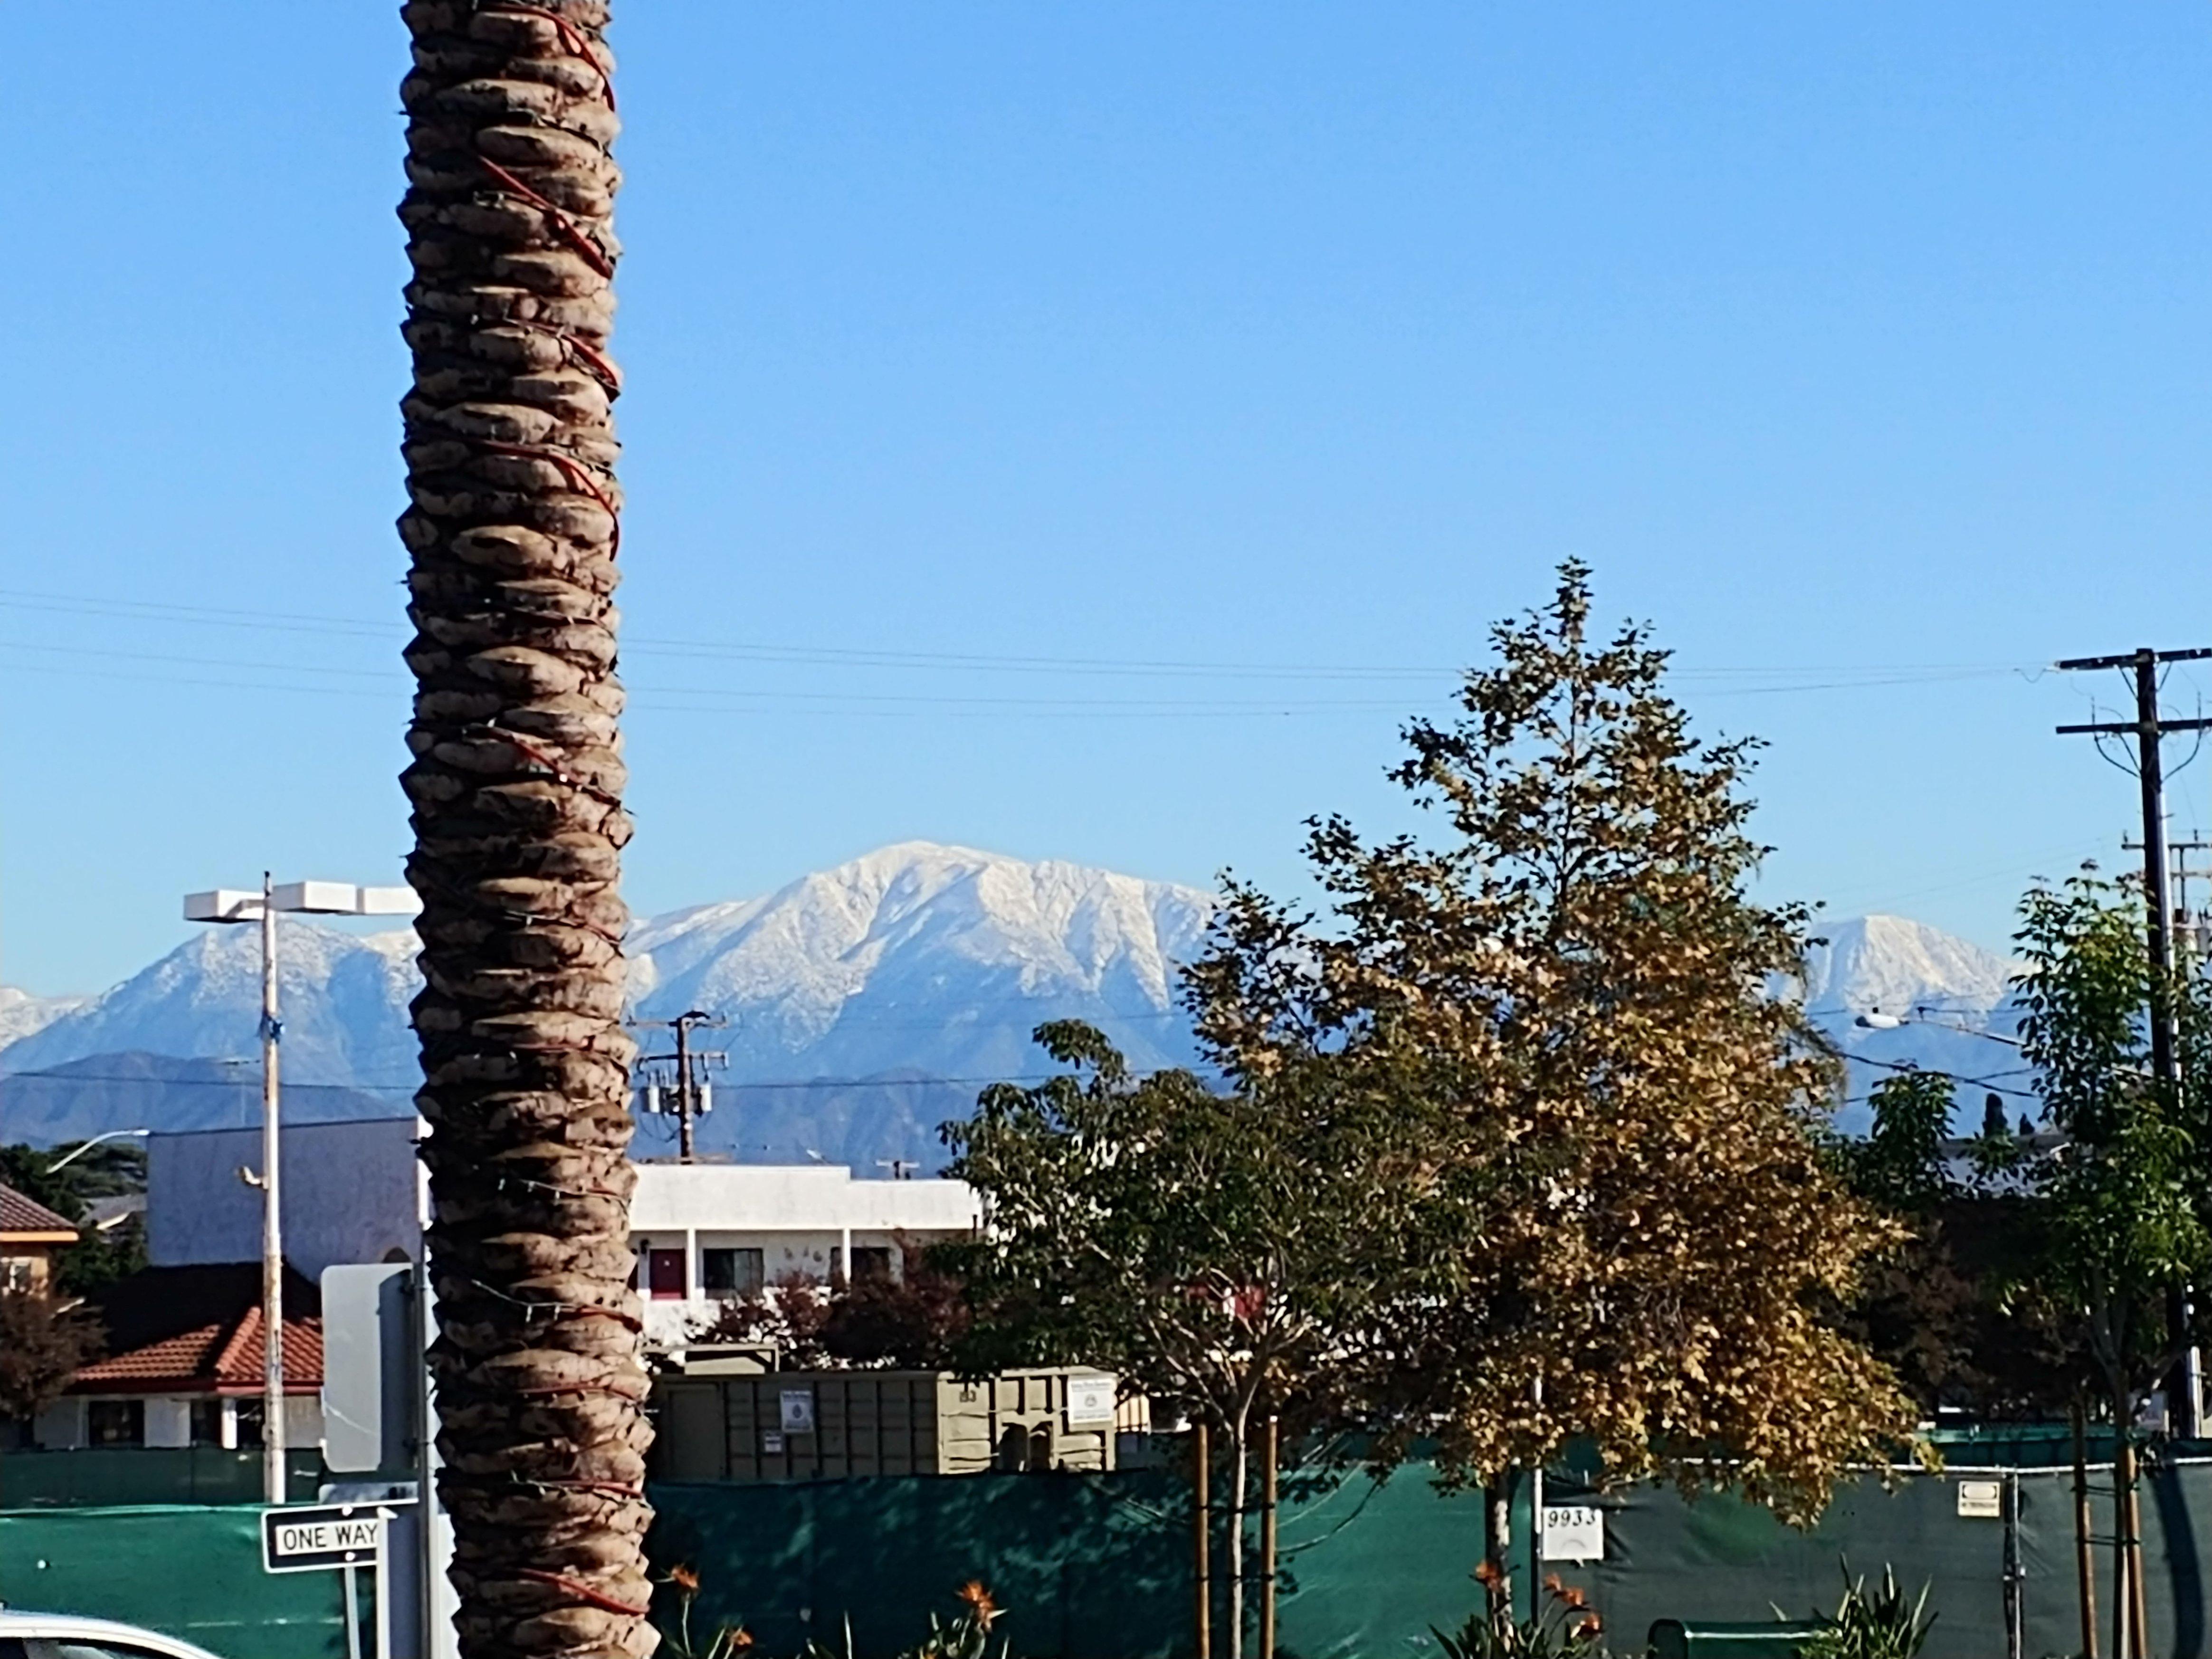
point(692, 1091)
point(2148, 730)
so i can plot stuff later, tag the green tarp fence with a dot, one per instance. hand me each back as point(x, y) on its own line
point(1720, 1560)
point(1099, 1567)
point(113, 1477)
point(1087, 1566)
point(191, 1571)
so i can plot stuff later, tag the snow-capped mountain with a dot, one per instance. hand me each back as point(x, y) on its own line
point(928, 958)
point(344, 998)
point(23, 1014)
point(1896, 965)
point(865, 1005)
point(1935, 1001)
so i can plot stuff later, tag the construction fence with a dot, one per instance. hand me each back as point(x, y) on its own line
point(1099, 1566)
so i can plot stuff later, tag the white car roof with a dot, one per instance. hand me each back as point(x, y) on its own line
point(19, 1621)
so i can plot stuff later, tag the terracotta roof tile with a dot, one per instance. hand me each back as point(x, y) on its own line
point(224, 1357)
point(18, 1214)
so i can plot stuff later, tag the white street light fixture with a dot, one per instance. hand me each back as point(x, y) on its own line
point(232, 904)
point(112, 1134)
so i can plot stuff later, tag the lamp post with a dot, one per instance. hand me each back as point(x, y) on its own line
point(83, 1147)
point(229, 904)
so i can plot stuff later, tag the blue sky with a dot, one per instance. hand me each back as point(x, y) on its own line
point(982, 358)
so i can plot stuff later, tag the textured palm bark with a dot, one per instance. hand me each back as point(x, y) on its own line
point(516, 785)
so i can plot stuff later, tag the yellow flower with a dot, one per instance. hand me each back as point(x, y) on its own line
point(685, 1579)
point(1489, 1575)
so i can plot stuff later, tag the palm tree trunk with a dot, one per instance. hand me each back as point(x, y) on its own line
point(516, 786)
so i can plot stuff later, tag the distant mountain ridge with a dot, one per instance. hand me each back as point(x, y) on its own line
point(866, 1005)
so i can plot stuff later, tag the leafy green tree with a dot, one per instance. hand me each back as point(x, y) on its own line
point(2126, 1198)
point(1934, 1305)
point(1627, 1226)
point(110, 1169)
point(1231, 1252)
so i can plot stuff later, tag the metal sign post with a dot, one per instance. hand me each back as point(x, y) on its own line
point(340, 1537)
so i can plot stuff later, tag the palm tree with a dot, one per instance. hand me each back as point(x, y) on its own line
point(516, 786)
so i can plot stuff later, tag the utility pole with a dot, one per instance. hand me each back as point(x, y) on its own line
point(692, 1091)
point(273, 1482)
point(2148, 730)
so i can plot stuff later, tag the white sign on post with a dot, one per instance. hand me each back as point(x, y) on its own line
point(1573, 1532)
point(1981, 1500)
point(313, 1539)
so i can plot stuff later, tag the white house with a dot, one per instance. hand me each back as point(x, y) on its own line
point(708, 1233)
point(704, 1233)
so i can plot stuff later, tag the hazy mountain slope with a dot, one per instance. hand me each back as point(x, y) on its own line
point(865, 1004)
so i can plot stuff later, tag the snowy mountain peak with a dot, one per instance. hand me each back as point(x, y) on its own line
point(919, 927)
point(1895, 964)
point(23, 1014)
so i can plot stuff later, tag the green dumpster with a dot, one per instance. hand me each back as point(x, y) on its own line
point(1679, 1638)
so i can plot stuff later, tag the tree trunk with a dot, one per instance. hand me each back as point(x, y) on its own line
point(516, 788)
point(1239, 1476)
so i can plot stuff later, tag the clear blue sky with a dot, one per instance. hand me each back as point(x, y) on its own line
point(1866, 350)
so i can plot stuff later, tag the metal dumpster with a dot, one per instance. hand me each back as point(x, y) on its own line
point(804, 1426)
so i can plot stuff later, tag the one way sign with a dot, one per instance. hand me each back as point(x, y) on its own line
point(331, 1535)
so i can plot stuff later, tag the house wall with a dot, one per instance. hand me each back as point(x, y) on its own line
point(805, 1219)
point(352, 1192)
point(62, 1426)
point(25, 1265)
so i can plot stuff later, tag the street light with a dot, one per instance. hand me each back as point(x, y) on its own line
point(111, 1135)
point(232, 904)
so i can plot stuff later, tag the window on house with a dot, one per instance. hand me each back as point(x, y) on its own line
point(664, 1275)
point(207, 1422)
point(115, 1422)
point(730, 1273)
point(871, 1261)
point(250, 1413)
point(14, 1273)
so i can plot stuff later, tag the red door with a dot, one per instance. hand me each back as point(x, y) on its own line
point(664, 1275)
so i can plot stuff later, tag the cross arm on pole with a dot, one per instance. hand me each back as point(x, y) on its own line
point(2129, 728)
point(2130, 659)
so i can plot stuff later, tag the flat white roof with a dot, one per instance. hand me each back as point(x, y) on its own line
point(794, 1198)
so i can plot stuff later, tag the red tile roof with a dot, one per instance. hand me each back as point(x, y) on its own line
point(20, 1216)
point(221, 1357)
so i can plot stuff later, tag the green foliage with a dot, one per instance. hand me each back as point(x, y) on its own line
point(1900, 1164)
point(1216, 1248)
point(110, 1169)
point(1563, 1627)
point(1623, 1225)
point(966, 1635)
point(1881, 1625)
point(2124, 1204)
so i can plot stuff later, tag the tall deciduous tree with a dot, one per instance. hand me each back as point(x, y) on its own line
point(1227, 1252)
point(1631, 1227)
point(516, 786)
point(2125, 1205)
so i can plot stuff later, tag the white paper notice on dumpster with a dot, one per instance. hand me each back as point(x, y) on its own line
point(1573, 1532)
point(798, 1411)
